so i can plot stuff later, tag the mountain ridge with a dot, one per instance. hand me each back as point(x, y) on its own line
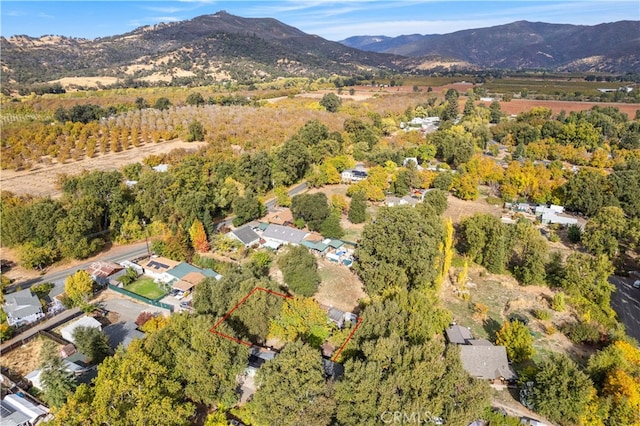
point(523, 44)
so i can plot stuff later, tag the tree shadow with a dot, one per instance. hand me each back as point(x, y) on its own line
point(491, 326)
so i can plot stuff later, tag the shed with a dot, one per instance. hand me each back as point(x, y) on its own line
point(18, 410)
point(67, 332)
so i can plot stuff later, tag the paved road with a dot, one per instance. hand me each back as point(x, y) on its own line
point(51, 322)
point(119, 254)
point(626, 302)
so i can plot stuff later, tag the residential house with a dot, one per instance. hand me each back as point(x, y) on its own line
point(552, 218)
point(281, 217)
point(246, 236)
point(407, 200)
point(353, 175)
point(458, 335)
point(22, 308)
point(85, 321)
point(157, 266)
point(192, 273)
point(487, 362)
point(17, 410)
point(122, 333)
point(277, 235)
point(103, 272)
point(77, 364)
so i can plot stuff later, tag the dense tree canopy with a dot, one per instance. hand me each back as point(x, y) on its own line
point(399, 249)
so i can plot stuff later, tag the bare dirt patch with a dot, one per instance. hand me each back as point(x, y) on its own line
point(41, 180)
point(26, 358)
point(340, 286)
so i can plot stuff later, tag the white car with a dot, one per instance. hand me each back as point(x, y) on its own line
point(636, 284)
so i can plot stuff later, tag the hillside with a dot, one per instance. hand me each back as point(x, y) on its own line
point(610, 47)
point(206, 47)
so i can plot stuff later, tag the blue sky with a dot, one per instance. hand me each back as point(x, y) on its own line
point(333, 20)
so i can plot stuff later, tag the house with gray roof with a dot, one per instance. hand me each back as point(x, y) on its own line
point(246, 236)
point(458, 335)
point(22, 307)
point(85, 321)
point(16, 410)
point(487, 362)
point(279, 235)
point(122, 333)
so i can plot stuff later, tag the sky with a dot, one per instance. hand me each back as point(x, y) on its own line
point(333, 20)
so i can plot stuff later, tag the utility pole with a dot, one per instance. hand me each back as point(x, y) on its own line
point(146, 236)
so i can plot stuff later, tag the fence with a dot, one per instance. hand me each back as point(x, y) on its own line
point(141, 298)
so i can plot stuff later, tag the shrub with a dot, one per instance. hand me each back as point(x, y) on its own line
point(143, 317)
point(494, 201)
point(550, 329)
point(542, 314)
point(480, 311)
point(583, 332)
point(558, 302)
point(574, 233)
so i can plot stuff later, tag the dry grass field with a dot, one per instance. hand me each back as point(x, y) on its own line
point(41, 180)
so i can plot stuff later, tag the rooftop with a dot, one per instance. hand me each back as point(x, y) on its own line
point(246, 235)
point(458, 335)
point(122, 333)
point(486, 362)
point(22, 304)
point(103, 269)
point(284, 233)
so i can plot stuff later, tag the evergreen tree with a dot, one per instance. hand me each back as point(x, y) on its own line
point(92, 342)
point(57, 383)
point(358, 208)
point(331, 227)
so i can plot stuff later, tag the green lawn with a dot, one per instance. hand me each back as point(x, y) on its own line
point(146, 287)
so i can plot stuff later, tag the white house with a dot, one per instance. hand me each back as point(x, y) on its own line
point(22, 307)
point(353, 175)
point(67, 332)
point(17, 410)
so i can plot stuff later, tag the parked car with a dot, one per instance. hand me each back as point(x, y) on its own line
point(185, 305)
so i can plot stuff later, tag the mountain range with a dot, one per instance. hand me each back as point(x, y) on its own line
point(224, 46)
point(610, 47)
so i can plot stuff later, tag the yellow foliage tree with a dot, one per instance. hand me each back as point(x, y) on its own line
point(79, 287)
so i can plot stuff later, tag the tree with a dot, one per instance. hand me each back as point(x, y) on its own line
point(561, 391)
point(587, 191)
point(331, 227)
point(450, 110)
point(92, 342)
point(131, 389)
point(574, 233)
point(331, 102)
point(162, 104)
point(196, 131)
point(292, 389)
point(495, 113)
point(312, 208)
point(204, 363)
point(247, 209)
point(57, 383)
point(401, 248)
point(195, 98)
point(35, 257)
point(358, 208)
point(301, 319)
point(586, 279)
point(604, 232)
point(79, 287)
point(198, 237)
point(515, 336)
point(141, 103)
point(484, 238)
point(443, 181)
point(437, 199)
point(300, 270)
point(530, 254)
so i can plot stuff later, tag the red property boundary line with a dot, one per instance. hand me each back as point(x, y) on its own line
point(284, 296)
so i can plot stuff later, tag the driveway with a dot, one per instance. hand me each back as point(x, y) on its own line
point(128, 309)
point(626, 302)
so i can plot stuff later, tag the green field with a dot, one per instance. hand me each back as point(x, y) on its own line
point(146, 287)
